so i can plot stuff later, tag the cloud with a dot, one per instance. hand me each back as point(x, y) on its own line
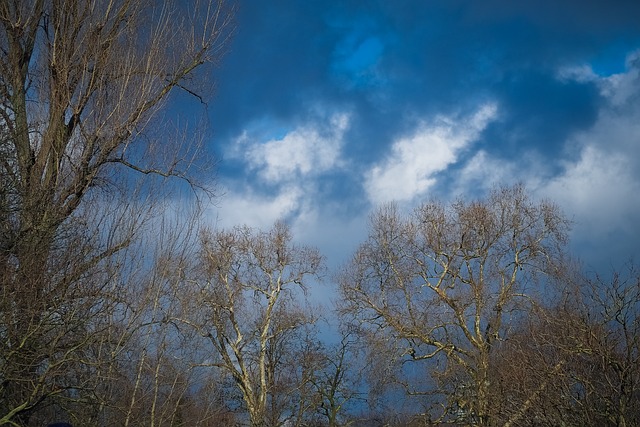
point(623, 88)
point(246, 207)
point(315, 221)
point(580, 73)
point(481, 172)
point(597, 179)
point(306, 151)
point(288, 171)
point(414, 161)
point(568, 110)
point(601, 186)
point(600, 189)
point(617, 126)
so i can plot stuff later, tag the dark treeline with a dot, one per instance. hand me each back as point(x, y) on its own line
point(119, 308)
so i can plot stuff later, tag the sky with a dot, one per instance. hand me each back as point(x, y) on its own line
point(323, 110)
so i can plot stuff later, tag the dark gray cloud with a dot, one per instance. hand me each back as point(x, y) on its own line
point(393, 68)
point(389, 61)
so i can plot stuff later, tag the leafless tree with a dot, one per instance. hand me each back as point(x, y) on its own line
point(443, 283)
point(579, 358)
point(81, 82)
point(336, 379)
point(246, 304)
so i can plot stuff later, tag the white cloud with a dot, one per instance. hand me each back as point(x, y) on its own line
point(600, 187)
point(289, 164)
point(411, 167)
point(580, 73)
point(482, 172)
point(304, 151)
point(245, 207)
point(600, 190)
point(599, 183)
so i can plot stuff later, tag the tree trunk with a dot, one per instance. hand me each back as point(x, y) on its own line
point(482, 389)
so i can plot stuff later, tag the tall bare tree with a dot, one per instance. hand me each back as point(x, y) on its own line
point(442, 282)
point(248, 301)
point(80, 83)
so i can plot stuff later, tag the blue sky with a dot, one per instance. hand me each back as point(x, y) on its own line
point(324, 109)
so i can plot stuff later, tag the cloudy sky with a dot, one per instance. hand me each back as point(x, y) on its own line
point(325, 109)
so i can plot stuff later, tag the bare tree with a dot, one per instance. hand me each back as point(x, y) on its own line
point(80, 83)
point(135, 368)
point(336, 379)
point(579, 358)
point(247, 303)
point(443, 282)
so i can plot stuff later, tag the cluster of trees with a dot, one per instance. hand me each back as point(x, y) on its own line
point(119, 309)
point(484, 319)
point(83, 84)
